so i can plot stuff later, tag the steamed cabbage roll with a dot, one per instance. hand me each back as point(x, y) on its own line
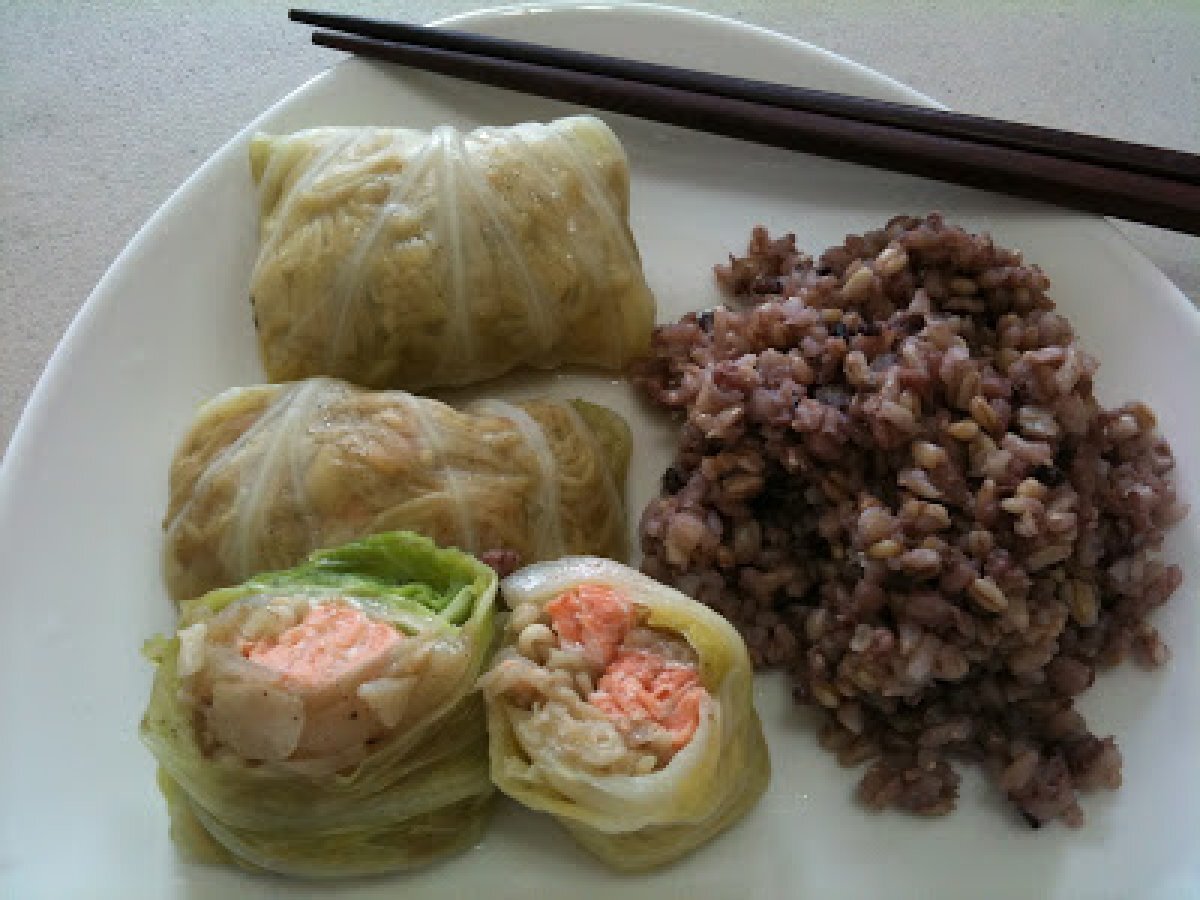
point(623, 708)
point(268, 474)
point(323, 720)
point(399, 258)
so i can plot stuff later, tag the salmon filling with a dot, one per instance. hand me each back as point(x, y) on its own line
point(593, 617)
point(598, 685)
point(310, 685)
point(639, 686)
point(324, 647)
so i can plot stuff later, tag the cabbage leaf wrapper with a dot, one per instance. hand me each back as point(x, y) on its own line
point(267, 474)
point(323, 720)
point(623, 708)
point(399, 258)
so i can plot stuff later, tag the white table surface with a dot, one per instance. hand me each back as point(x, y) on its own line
point(106, 107)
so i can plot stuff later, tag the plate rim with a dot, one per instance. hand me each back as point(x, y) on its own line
point(643, 7)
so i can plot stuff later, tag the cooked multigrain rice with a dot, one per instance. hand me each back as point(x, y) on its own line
point(894, 478)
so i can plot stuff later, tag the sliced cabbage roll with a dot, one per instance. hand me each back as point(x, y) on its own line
point(399, 258)
point(322, 720)
point(267, 474)
point(623, 708)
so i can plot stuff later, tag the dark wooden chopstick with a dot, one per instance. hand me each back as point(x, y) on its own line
point(1152, 199)
point(1049, 141)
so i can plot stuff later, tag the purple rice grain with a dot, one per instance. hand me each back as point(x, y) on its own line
point(894, 478)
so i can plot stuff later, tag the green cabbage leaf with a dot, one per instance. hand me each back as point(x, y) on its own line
point(420, 793)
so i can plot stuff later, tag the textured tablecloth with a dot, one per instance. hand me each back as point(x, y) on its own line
point(106, 107)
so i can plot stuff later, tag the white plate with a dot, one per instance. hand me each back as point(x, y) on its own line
point(84, 488)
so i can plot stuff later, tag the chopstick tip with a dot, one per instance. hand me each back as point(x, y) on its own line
point(305, 16)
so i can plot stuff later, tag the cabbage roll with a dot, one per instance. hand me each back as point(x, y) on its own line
point(623, 708)
point(399, 258)
point(323, 720)
point(270, 473)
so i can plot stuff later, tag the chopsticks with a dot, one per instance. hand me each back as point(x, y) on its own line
point(1131, 181)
